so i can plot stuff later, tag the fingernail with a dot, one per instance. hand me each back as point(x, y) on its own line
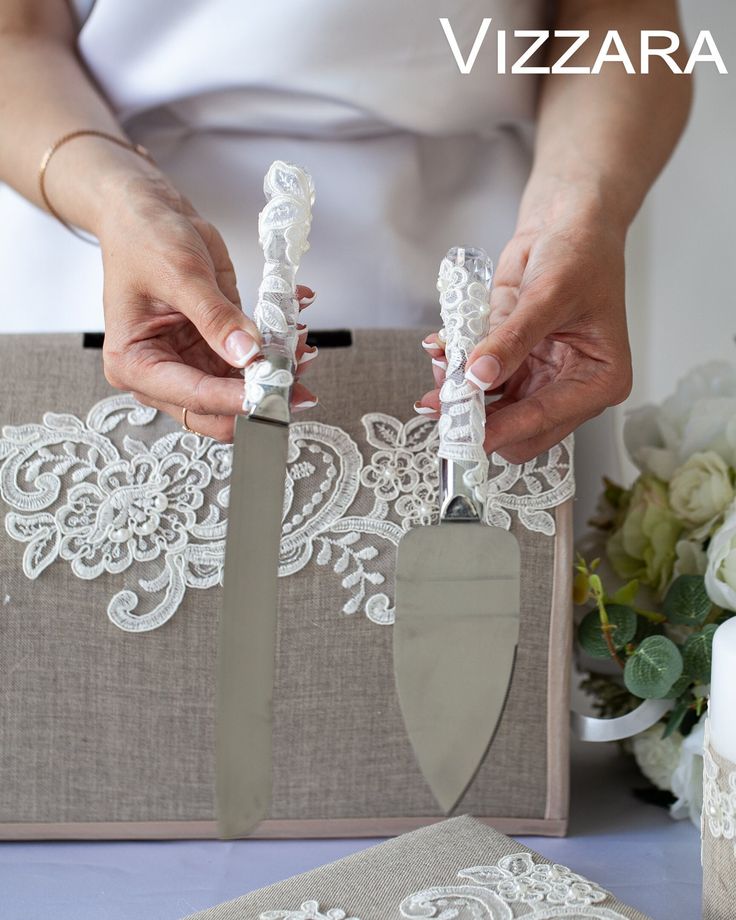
point(483, 372)
point(308, 356)
point(431, 346)
point(439, 362)
point(240, 347)
point(424, 410)
point(306, 404)
point(307, 299)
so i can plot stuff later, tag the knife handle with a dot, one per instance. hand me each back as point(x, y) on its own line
point(464, 284)
point(283, 231)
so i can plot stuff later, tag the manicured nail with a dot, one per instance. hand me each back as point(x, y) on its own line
point(307, 299)
point(306, 404)
point(439, 362)
point(308, 356)
point(483, 372)
point(424, 410)
point(240, 347)
point(431, 346)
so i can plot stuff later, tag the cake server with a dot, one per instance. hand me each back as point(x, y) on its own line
point(247, 627)
point(457, 582)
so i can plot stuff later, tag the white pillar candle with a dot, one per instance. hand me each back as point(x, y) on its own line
point(722, 705)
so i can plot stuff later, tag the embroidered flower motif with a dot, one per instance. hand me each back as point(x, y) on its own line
point(508, 890)
point(106, 506)
point(518, 878)
point(309, 910)
point(719, 799)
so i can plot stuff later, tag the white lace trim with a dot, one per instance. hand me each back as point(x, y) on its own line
point(718, 817)
point(508, 889)
point(283, 231)
point(465, 314)
point(309, 910)
point(93, 495)
point(515, 887)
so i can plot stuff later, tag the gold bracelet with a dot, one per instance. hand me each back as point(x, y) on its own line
point(64, 139)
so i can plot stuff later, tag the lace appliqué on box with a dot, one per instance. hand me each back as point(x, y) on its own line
point(718, 817)
point(515, 887)
point(309, 910)
point(91, 494)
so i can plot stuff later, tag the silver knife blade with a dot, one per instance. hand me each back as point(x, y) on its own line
point(247, 627)
point(455, 637)
point(247, 633)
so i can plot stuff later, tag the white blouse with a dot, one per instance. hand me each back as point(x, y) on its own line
point(409, 157)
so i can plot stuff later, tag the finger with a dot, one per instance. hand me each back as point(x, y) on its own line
point(433, 346)
point(528, 450)
point(429, 404)
point(305, 295)
point(169, 380)
point(559, 406)
point(220, 427)
point(302, 398)
point(226, 329)
point(538, 313)
point(439, 368)
point(305, 356)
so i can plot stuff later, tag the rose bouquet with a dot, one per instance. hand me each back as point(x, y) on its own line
point(665, 577)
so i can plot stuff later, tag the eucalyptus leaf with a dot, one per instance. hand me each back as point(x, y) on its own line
point(653, 668)
point(687, 601)
point(697, 654)
point(590, 632)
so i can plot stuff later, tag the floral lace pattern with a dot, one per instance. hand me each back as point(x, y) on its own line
point(718, 817)
point(516, 886)
point(94, 495)
point(309, 910)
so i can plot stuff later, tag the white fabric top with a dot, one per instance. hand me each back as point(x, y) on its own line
point(409, 157)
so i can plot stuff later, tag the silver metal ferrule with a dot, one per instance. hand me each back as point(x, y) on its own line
point(457, 502)
point(275, 404)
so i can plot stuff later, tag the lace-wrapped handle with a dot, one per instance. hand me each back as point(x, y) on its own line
point(464, 284)
point(283, 230)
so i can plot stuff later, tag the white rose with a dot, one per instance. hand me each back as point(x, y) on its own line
point(700, 415)
point(687, 779)
point(691, 558)
point(657, 757)
point(701, 488)
point(720, 576)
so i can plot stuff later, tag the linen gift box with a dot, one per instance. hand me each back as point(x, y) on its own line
point(457, 869)
point(111, 564)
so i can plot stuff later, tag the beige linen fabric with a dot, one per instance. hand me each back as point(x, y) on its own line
point(718, 851)
point(99, 725)
point(371, 884)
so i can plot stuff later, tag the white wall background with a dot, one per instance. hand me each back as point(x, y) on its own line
point(681, 258)
point(682, 248)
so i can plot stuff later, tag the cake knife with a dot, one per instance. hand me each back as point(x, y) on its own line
point(247, 627)
point(457, 582)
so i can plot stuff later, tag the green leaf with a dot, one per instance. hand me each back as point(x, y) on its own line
point(687, 601)
point(679, 686)
point(626, 594)
point(675, 718)
point(653, 668)
point(697, 654)
point(590, 632)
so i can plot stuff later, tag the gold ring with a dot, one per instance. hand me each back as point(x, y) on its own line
point(184, 421)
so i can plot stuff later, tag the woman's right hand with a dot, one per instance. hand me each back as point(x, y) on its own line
point(175, 333)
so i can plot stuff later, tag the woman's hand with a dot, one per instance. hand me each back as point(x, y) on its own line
point(175, 334)
point(558, 350)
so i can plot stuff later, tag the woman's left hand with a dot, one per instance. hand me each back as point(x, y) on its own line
point(558, 351)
